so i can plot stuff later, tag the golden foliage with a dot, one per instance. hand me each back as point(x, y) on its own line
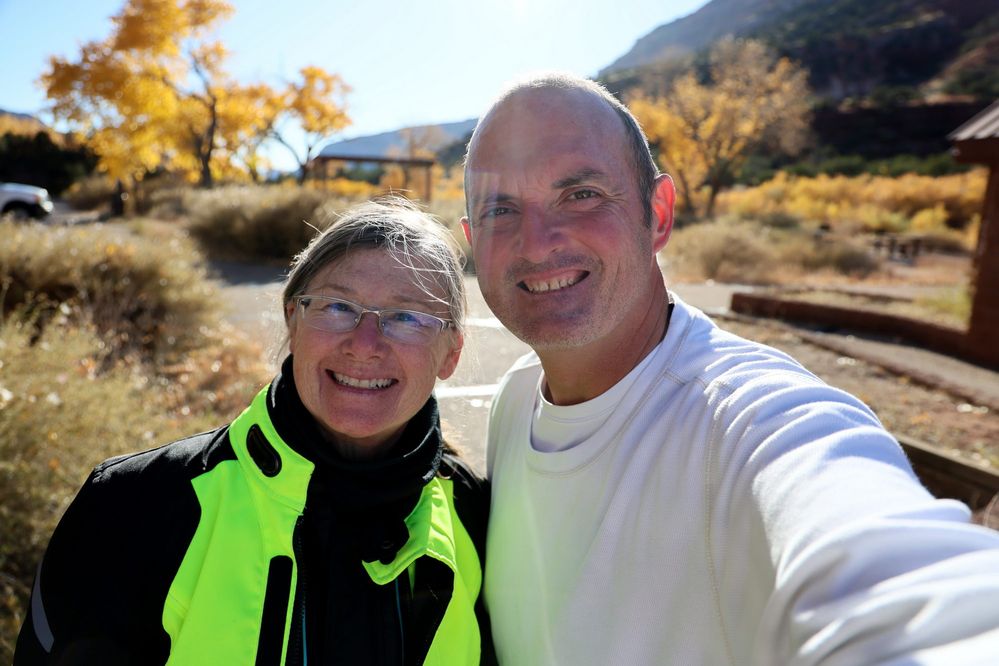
point(155, 93)
point(868, 203)
point(704, 131)
point(317, 102)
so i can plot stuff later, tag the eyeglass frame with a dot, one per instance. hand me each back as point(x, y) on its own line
point(444, 323)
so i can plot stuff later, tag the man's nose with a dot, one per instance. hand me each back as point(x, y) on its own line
point(540, 234)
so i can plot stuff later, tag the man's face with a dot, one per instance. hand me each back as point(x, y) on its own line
point(563, 255)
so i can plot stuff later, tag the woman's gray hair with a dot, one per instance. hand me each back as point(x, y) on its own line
point(411, 236)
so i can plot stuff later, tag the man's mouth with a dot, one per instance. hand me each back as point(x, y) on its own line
point(535, 286)
point(355, 382)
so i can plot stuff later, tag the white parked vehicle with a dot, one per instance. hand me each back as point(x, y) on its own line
point(24, 201)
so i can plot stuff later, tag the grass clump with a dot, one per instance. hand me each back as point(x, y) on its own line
point(952, 303)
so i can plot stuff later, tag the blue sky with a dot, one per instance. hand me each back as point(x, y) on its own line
point(409, 63)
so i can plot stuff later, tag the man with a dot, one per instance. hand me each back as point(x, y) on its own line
point(665, 492)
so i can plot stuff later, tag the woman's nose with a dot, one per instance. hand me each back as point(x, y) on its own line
point(366, 339)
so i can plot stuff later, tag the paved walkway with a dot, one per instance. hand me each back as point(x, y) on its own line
point(977, 384)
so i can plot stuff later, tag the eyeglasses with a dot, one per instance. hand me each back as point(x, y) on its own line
point(335, 315)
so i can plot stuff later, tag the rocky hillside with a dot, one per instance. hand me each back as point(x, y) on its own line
point(886, 51)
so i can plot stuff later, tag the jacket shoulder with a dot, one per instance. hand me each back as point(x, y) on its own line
point(184, 458)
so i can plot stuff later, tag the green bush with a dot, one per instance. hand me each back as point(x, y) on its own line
point(37, 160)
point(142, 296)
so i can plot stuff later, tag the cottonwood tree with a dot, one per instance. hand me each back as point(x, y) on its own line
point(317, 104)
point(705, 130)
point(155, 94)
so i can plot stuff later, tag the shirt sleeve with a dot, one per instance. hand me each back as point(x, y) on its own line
point(868, 567)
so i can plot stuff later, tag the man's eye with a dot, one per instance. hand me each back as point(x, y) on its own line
point(579, 195)
point(495, 211)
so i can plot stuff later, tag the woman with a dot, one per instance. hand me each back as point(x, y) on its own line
point(327, 524)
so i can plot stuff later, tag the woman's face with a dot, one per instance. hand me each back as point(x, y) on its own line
point(361, 386)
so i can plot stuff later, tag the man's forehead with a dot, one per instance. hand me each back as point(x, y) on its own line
point(551, 125)
point(528, 109)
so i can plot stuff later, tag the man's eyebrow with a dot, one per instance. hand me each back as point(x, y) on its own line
point(492, 198)
point(581, 176)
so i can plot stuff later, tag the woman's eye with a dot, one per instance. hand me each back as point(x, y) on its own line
point(403, 317)
point(338, 308)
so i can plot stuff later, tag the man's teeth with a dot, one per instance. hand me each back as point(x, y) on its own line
point(550, 285)
point(347, 380)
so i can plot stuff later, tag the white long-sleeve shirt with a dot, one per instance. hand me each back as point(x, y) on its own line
point(721, 505)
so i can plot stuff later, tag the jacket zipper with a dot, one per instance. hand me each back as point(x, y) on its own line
point(402, 630)
point(297, 645)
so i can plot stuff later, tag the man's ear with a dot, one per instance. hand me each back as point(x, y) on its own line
point(466, 226)
point(663, 200)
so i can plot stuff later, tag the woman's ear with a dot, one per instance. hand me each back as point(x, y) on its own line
point(291, 321)
point(452, 355)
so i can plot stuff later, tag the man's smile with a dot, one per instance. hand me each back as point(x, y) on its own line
point(538, 286)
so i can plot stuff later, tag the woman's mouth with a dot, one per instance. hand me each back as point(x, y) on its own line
point(359, 383)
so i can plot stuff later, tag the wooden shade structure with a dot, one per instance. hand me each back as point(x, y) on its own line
point(322, 162)
point(977, 142)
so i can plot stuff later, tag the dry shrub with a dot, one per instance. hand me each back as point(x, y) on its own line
point(724, 252)
point(254, 223)
point(754, 254)
point(90, 193)
point(141, 296)
point(812, 253)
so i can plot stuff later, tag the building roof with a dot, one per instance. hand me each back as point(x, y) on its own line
point(985, 125)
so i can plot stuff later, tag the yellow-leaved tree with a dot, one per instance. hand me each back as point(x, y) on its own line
point(155, 94)
point(149, 95)
point(318, 103)
point(704, 131)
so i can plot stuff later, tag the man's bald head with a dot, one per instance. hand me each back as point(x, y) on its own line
point(638, 147)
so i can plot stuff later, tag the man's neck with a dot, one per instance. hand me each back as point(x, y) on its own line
point(576, 375)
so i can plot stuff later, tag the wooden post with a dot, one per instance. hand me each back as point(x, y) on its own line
point(984, 325)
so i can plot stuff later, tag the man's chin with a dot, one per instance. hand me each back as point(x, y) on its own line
point(555, 338)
